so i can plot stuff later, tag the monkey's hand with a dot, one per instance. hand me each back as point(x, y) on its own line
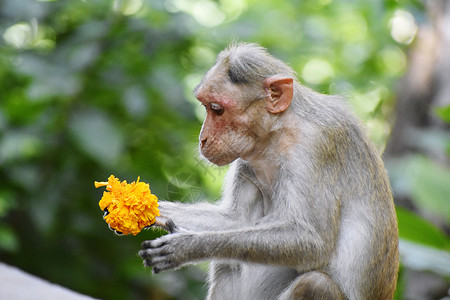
point(166, 224)
point(167, 252)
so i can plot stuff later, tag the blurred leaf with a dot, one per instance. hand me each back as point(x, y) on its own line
point(97, 136)
point(426, 182)
point(443, 113)
point(416, 229)
point(19, 145)
point(421, 258)
point(8, 239)
point(58, 81)
point(7, 202)
point(431, 188)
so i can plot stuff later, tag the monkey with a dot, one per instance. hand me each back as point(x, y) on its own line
point(306, 210)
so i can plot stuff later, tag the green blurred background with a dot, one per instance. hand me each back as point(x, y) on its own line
point(98, 87)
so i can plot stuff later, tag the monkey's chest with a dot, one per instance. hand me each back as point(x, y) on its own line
point(255, 207)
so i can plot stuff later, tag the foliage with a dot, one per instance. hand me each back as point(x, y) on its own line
point(416, 229)
point(99, 87)
point(444, 113)
point(425, 182)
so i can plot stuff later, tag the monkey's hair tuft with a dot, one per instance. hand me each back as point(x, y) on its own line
point(249, 63)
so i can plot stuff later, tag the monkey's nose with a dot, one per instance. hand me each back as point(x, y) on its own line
point(203, 142)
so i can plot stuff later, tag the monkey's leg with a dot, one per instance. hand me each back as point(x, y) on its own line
point(225, 281)
point(314, 285)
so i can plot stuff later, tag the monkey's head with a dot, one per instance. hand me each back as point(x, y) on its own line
point(244, 94)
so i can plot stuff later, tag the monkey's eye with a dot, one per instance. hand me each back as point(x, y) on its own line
point(217, 109)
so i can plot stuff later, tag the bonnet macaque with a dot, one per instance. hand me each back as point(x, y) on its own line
point(306, 210)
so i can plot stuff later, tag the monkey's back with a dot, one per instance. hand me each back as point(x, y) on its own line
point(365, 260)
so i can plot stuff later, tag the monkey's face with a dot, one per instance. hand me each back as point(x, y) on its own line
point(228, 131)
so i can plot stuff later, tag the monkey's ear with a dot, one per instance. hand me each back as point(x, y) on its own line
point(280, 91)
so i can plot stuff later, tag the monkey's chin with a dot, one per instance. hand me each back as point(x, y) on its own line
point(220, 160)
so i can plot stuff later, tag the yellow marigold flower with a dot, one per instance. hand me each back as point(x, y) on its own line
point(129, 207)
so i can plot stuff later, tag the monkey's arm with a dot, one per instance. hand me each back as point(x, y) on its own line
point(281, 244)
point(196, 217)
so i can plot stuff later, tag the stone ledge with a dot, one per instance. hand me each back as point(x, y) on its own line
point(18, 285)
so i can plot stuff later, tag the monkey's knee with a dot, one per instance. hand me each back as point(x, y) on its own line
point(315, 285)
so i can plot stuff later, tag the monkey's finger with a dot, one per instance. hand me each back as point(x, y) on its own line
point(152, 253)
point(149, 252)
point(145, 254)
point(163, 267)
point(157, 261)
point(171, 227)
point(115, 230)
point(153, 243)
point(166, 223)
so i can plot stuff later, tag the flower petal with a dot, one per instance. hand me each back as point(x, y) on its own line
point(99, 184)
